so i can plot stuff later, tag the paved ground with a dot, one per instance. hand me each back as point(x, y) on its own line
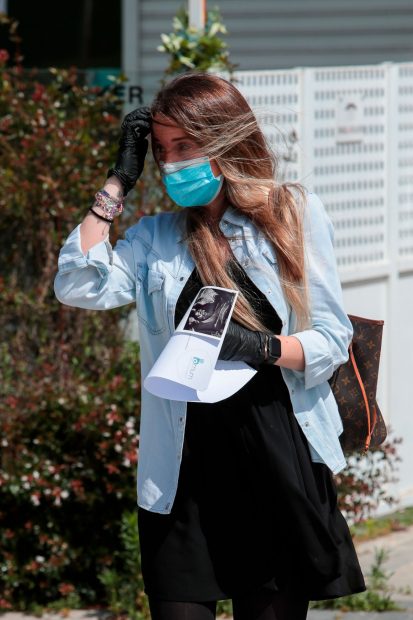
point(360, 615)
point(400, 562)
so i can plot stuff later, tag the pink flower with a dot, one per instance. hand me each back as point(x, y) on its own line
point(77, 486)
point(112, 469)
point(38, 92)
point(3, 603)
point(4, 56)
point(35, 497)
point(66, 588)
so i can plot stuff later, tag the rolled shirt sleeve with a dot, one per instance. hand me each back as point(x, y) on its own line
point(104, 278)
point(325, 343)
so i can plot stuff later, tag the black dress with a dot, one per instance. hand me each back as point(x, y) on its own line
point(252, 510)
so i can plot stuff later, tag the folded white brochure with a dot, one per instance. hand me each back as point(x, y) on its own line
point(188, 368)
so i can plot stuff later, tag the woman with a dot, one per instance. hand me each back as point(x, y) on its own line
point(236, 498)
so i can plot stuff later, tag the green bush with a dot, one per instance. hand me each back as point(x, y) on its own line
point(363, 485)
point(69, 410)
point(68, 473)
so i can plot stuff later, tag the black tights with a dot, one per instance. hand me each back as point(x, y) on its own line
point(261, 606)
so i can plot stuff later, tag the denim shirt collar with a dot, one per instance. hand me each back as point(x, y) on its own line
point(233, 216)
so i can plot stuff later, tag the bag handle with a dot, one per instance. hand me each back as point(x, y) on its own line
point(370, 426)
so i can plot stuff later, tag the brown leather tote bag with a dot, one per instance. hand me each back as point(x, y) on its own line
point(354, 385)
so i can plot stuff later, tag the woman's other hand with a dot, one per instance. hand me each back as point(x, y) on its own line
point(133, 147)
point(242, 344)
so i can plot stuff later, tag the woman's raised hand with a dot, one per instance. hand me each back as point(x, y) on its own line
point(133, 147)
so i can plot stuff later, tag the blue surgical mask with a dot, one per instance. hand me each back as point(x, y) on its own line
point(191, 183)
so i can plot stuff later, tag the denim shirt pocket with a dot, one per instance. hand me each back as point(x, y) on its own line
point(152, 304)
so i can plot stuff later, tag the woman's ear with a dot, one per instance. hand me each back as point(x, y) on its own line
point(215, 168)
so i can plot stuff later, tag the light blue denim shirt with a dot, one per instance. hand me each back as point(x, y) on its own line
point(150, 267)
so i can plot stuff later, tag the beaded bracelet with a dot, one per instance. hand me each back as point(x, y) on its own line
point(110, 206)
point(109, 197)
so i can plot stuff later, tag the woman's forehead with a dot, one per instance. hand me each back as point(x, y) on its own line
point(162, 119)
point(164, 128)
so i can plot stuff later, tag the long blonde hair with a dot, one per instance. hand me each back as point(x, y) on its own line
point(213, 112)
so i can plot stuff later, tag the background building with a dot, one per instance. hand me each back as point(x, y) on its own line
point(265, 34)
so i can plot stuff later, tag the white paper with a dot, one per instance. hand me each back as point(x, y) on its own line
point(185, 369)
point(232, 376)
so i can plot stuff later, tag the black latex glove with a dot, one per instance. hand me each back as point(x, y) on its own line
point(242, 344)
point(133, 147)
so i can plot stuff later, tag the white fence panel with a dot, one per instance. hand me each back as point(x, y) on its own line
point(339, 117)
point(275, 97)
point(403, 126)
point(349, 159)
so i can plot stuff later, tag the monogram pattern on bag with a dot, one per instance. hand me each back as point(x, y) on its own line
point(366, 345)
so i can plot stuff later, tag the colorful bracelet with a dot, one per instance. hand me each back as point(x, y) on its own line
point(110, 205)
point(109, 198)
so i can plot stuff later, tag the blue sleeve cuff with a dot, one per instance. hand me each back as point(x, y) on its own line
point(319, 363)
point(71, 256)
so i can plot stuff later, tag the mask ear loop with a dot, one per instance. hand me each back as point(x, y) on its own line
point(221, 183)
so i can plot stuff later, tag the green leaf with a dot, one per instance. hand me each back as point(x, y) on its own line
point(187, 62)
point(215, 28)
point(166, 39)
point(178, 43)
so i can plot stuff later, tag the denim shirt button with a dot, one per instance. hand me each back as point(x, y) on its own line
point(181, 279)
point(307, 424)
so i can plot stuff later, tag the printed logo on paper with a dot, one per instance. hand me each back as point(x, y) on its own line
point(193, 366)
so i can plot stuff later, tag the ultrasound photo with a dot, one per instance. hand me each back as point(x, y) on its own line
point(210, 312)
